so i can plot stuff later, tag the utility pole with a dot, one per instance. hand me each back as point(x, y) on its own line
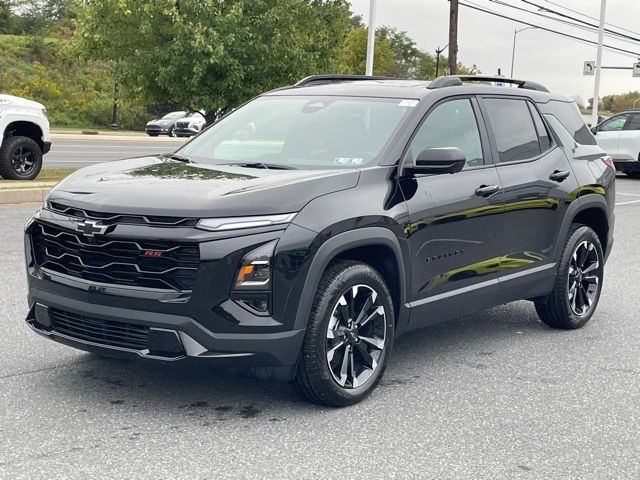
point(371, 38)
point(453, 36)
point(114, 113)
point(596, 89)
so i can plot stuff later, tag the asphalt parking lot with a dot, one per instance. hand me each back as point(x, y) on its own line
point(492, 395)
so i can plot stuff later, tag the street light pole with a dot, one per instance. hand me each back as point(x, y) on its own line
point(596, 88)
point(371, 38)
point(438, 52)
point(513, 51)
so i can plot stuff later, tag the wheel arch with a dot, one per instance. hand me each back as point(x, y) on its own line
point(375, 246)
point(25, 128)
point(591, 210)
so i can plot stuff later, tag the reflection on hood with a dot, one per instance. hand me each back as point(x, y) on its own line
point(182, 171)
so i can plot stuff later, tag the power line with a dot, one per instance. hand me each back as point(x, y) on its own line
point(564, 15)
point(590, 17)
point(584, 40)
point(582, 25)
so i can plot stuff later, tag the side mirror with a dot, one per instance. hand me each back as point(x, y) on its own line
point(437, 161)
point(594, 129)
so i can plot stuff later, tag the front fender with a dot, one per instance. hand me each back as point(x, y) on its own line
point(340, 243)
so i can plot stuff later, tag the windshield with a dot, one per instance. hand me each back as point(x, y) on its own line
point(297, 131)
point(175, 115)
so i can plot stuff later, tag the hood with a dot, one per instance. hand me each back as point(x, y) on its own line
point(162, 121)
point(158, 186)
point(22, 102)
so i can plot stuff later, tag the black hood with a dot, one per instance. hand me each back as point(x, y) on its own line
point(158, 186)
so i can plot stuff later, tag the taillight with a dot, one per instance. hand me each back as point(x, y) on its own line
point(608, 161)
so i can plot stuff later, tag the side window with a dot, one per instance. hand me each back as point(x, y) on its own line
point(614, 124)
point(450, 124)
point(543, 134)
point(634, 123)
point(513, 127)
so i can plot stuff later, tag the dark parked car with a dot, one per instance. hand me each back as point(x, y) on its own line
point(301, 234)
point(165, 125)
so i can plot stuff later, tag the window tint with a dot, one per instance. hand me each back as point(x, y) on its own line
point(569, 116)
point(634, 123)
point(614, 124)
point(543, 135)
point(513, 128)
point(450, 124)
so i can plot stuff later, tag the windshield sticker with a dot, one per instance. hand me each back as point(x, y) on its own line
point(348, 161)
point(408, 103)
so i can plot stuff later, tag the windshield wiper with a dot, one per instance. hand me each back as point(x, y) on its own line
point(180, 158)
point(267, 166)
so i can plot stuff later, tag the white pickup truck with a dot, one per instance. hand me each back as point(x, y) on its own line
point(24, 139)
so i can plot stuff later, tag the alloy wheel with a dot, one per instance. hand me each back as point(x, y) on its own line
point(355, 338)
point(23, 160)
point(583, 278)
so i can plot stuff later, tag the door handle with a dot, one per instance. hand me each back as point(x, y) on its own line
point(559, 176)
point(487, 190)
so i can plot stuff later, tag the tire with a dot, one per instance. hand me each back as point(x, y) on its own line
point(318, 377)
point(172, 132)
point(561, 309)
point(20, 158)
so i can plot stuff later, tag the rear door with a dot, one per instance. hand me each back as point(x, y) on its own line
point(629, 138)
point(608, 134)
point(537, 181)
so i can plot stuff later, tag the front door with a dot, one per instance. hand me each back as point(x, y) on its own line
point(608, 134)
point(455, 220)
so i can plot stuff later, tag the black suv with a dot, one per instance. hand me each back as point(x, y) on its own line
point(298, 236)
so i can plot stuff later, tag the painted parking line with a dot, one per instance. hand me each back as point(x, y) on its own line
point(630, 194)
point(627, 203)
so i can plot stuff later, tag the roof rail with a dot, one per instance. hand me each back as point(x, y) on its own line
point(456, 80)
point(335, 77)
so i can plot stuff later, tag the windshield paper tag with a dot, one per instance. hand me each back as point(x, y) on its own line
point(347, 161)
point(408, 103)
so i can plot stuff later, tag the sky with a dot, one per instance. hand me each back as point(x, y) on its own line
point(541, 56)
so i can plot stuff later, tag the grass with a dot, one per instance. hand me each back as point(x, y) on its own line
point(46, 175)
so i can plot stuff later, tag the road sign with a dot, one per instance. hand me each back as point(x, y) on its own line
point(636, 70)
point(589, 68)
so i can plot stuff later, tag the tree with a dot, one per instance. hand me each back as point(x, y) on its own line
point(208, 54)
point(352, 56)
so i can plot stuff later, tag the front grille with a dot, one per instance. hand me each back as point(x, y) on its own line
point(155, 264)
point(182, 124)
point(106, 332)
point(116, 218)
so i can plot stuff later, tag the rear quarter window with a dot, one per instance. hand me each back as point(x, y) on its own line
point(569, 116)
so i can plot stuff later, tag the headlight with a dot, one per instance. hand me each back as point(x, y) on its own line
point(236, 223)
point(255, 268)
point(252, 284)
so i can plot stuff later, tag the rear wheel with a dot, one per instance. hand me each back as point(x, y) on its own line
point(578, 282)
point(349, 336)
point(20, 158)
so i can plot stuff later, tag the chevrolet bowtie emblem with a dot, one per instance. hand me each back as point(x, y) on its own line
point(90, 228)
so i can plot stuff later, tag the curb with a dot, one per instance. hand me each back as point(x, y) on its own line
point(23, 195)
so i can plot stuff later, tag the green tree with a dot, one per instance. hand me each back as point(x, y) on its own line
point(352, 57)
point(209, 54)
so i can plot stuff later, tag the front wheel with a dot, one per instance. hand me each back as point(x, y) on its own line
point(578, 282)
point(20, 158)
point(172, 132)
point(349, 336)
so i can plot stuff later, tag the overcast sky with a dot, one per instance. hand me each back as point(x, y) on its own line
point(487, 41)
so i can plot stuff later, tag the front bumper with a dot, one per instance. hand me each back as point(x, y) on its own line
point(186, 131)
point(157, 129)
point(203, 323)
point(171, 337)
